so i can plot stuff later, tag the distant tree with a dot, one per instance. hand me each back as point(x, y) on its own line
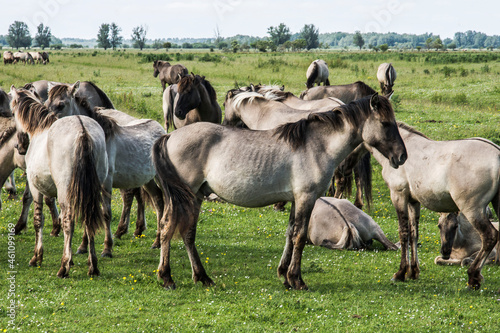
point(279, 34)
point(139, 36)
point(167, 45)
point(19, 35)
point(311, 35)
point(218, 37)
point(115, 40)
point(437, 44)
point(157, 44)
point(103, 36)
point(287, 45)
point(235, 45)
point(299, 44)
point(374, 48)
point(428, 43)
point(419, 48)
point(42, 37)
point(222, 45)
point(452, 46)
point(358, 40)
point(383, 47)
point(187, 45)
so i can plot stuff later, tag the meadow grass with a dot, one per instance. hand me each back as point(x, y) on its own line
point(350, 291)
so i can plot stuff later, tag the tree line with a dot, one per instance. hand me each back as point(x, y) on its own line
point(279, 38)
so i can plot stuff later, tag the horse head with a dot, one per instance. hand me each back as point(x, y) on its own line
point(188, 95)
point(448, 226)
point(381, 131)
point(61, 97)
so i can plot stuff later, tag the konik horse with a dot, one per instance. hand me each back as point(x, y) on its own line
point(317, 73)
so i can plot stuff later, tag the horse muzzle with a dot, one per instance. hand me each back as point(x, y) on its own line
point(398, 161)
point(181, 114)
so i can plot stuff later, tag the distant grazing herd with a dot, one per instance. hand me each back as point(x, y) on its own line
point(271, 147)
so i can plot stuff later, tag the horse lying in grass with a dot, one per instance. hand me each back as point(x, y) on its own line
point(338, 224)
point(460, 242)
point(294, 162)
point(67, 159)
point(346, 93)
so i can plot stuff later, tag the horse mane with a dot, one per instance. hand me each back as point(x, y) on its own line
point(104, 98)
point(354, 112)
point(364, 88)
point(31, 113)
point(245, 96)
point(411, 129)
point(108, 124)
point(57, 90)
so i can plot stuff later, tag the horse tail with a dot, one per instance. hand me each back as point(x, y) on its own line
point(313, 76)
point(178, 197)
point(106, 102)
point(365, 174)
point(85, 190)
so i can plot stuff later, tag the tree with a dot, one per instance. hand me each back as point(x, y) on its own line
point(437, 44)
point(279, 34)
point(384, 47)
point(19, 35)
point(235, 45)
point(358, 40)
point(42, 37)
point(299, 44)
point(103, 36)
point(167, 45)
point(428, 43)
point(115, 39)
point(139, 36)
point(311, 35)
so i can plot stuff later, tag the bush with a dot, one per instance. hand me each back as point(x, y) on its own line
point(152, 57)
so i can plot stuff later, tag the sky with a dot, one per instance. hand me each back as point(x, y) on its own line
point(199, 19)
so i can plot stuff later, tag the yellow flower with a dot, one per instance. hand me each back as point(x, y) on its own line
point(62, 303)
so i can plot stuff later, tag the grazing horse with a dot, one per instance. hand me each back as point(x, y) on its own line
point(386, 76)
point(169, 74)
point(67, 159)
point(129, 155)
point(37, 57)
point(45, 56)
point(460, 242)
point(433, 176)
point(8, 57)
point(24, 57)
point(195, 101)
point(338, 224)
point(317, 73)
point(293, 162)
point(346, 93)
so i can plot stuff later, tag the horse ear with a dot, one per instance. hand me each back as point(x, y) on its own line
point(374, 101)
point(252, 87)
point(50, 85)
point(282, 88)
point(75, 87)
point(13, 91)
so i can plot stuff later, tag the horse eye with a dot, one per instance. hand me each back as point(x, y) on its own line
point(60, 106)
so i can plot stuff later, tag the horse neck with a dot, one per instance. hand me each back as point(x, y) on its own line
point(76, 109)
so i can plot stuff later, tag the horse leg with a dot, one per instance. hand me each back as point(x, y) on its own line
point(127, 198)
point(56, 223)
point(156, 194)
point(489, 236)
point(23, 219)
point(168, 224)
point(82, 249)
point(358, 202)
point(92, 261)
point(10, 187)
point(299, 237)
point(326, 83)
point(403, 226)
point(38, 221)
point(140, 223)
point(286, 257)
point(414, 218)
point(68, 226)
point(188, 233)
point(106, 207)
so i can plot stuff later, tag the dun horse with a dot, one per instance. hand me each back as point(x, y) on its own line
point(129, 154)
point(317, 73)
point(169, 74)
point(433, 176)
point(195, 101)
point(66, 158)
point(294, 162)
point(386, 76)
point(346, 93)
point(8, 57)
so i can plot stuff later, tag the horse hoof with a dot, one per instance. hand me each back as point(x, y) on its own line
point(81, 251)
point(106, 254)
point(155, 246)
point(169, 285)
point(118, 236)
point(54, 234)
point(62, 273)
point(94, 272)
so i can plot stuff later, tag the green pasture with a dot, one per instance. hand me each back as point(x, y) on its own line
point(445, 95)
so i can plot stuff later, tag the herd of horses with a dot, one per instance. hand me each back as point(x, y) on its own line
point(10, 57)
point(271, 147)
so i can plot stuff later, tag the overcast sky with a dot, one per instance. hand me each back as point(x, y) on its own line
point(196, 18)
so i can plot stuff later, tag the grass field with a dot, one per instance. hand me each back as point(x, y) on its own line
point(444, 95)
